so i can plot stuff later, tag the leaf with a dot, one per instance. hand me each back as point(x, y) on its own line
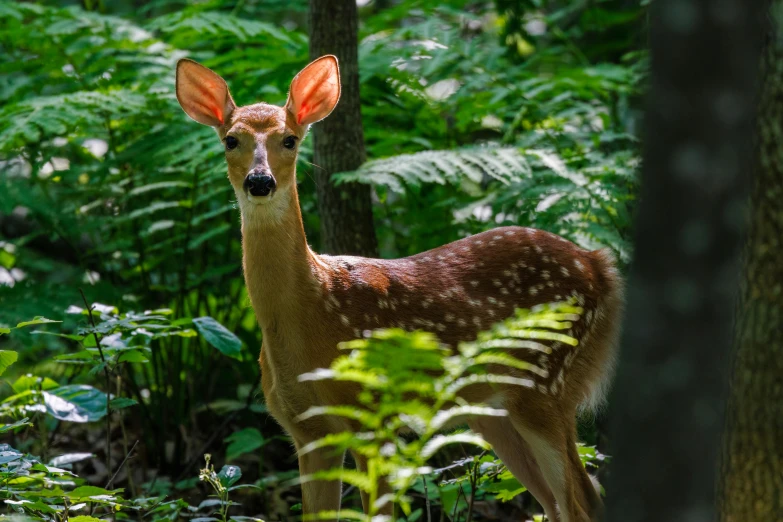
point(18, 424)
point(243, 441)
point(229, 475)
point(4, 330)
point(218, 336)
point(75, 403)
point(84, 518)
point(132, 356)
point(7, 358)
point(121, 403)
point(38, 320)
point(70, 458)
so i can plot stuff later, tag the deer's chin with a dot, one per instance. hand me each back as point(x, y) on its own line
point(259, 200)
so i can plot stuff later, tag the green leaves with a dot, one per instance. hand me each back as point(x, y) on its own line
point(75, 403)
point(409, 380)
point(243, 441)
point(7, 358)
point(218, 336)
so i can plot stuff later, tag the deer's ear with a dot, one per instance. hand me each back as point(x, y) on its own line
point(315, 91)
point(203, 94)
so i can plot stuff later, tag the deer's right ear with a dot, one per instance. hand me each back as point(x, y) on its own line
point(203, 94)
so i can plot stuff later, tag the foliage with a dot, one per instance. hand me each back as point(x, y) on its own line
point(476, 114)
point(410, 381)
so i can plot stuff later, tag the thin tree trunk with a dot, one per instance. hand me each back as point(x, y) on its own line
point(751, 481)
point(346, 210)
point(667, 409)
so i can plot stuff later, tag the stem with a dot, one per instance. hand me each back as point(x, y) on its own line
point(108, 382)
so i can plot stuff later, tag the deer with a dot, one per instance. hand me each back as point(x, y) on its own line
point(306, 304)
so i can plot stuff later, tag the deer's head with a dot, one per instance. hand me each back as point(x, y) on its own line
point(260, 140)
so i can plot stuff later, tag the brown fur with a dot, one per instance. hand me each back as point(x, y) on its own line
point(306, 304)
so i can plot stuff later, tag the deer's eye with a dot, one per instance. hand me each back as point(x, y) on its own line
point(289, 142)
point(231, 142)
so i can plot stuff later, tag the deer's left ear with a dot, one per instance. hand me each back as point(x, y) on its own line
point(315, 91)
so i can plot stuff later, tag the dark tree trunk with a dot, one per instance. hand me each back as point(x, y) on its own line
point(667, 409)
point(751, 485)
point(346, 210)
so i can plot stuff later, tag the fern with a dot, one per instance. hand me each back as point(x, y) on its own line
point(409, 380)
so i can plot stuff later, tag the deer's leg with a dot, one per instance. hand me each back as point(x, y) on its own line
point(516, 454)
point(383, 489)
point(320, 495)
point(548, 439)
point(589, 497)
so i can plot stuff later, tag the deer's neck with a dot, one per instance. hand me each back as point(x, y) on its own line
point(280, 269)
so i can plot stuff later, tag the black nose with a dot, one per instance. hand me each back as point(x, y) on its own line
point(259, 184)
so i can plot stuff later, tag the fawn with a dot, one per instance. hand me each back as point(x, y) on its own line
point(307, 303)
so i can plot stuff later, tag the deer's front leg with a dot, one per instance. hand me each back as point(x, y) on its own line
point(320, 495)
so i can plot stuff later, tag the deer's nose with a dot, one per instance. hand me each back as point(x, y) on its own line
point(259, 183)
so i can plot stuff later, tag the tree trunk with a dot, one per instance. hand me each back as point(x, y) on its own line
point(751, 484)
point(667, 409)
point(346, 211)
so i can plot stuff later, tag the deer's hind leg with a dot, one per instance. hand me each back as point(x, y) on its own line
point(516, 454)
point(547, 436)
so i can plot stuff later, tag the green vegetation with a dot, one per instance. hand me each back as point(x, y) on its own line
point(476, 114)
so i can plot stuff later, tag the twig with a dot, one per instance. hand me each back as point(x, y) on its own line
point(108, 381)
point(427, 499)
point(108, 484)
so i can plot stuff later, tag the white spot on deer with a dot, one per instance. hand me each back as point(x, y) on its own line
point(542, 389)
point(449, 317)
point(497, 237)
point(545, 259)
point(531, 269)
point(491, 312)
point(357, 333)
point(477, 321)
point(441, 327)
point(334, 301)
point(558, 297)
point(405, 301)
point(518, 290)
point(564, 271)
point(497, 283)
point(480, 263)
point(440, 257)
point(461, 322)
point(492, 300)
point(344, 319)
point(550, 284)
point(510, 232)
point(474, 284)
point(538, 249)
point(589, 316)
point(479, 242)
point(382, 303)
point(533, 290)
point(426, 259)
point(464, 250)
point(522, 264)
point(590, 286)
point(393, 306)
point(504, 291)
point(545, 274)
point(578, 264)
point(507, 273)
